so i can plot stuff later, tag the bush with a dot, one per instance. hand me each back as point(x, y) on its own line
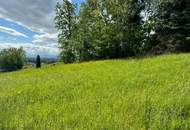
point(12, 59)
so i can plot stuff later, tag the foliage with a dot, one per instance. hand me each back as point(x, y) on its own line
point(38, 62)
point(101, 30)
point(136, 94)
point(12, 59)
point(65, 22)
point(172, 24)
point(104, 29)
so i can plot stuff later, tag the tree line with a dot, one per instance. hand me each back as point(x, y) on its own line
point(12, 59)
point(105, 29)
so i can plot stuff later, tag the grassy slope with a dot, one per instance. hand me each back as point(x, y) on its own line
point(152, 93)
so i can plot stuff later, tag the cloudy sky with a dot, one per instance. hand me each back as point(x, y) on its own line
point(30, 24)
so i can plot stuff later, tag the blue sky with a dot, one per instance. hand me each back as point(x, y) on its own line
point(30, 24)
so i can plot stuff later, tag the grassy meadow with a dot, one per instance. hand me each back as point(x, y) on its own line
point(135, 94)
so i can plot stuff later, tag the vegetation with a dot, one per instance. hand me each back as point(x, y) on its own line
point(12, 59)
point(151, 93)
point(38, 62)
point(104, 29)
point(134, 94)
point(172, 25)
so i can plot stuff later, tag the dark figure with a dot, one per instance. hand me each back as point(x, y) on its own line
point(38, 62)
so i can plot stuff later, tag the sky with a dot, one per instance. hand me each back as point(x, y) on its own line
point(30, 24)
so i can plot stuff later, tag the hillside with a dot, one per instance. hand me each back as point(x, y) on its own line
point(136, 94)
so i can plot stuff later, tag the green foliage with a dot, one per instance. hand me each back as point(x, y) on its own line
point(172, 24)
point(104, 29)
point(101, 30)
point(136, 94)
point(65, 23)
point(12, 59)
point(38, 62)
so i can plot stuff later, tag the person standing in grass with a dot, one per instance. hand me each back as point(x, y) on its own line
point(38, 62)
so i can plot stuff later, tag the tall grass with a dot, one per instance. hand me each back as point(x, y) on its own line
point(136, 94)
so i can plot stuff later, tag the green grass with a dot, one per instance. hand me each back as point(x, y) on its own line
point(136, 94)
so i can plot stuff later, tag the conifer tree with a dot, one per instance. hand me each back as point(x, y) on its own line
point(173, 24)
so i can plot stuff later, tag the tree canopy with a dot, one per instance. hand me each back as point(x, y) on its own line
point(104, 29)
point(12, 59)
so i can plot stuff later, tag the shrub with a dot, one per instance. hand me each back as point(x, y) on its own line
point(12, 59)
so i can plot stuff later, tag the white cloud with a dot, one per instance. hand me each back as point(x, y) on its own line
point(11, 31)
point(34, 50)
point(45, 39)
point(70, 1)
point(37, 15)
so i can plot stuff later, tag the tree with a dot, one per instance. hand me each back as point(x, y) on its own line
point(172, 25)
point(12, 59)
point(112, 29)
point(102, 29)
point(65, 20)
point(38, 62)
